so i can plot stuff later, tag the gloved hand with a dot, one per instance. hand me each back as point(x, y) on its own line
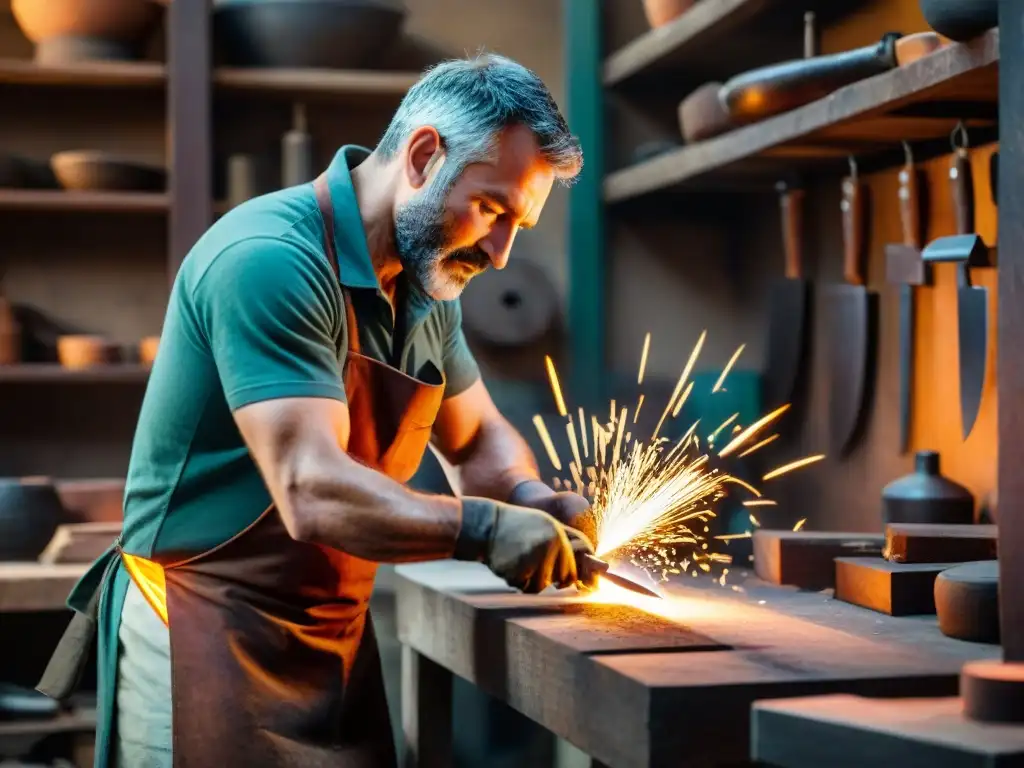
point(566, 507)
point(528, 548)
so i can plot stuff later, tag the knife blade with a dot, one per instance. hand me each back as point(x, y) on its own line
point(852, 326)
point(905, 268)
point(972, 300)
point(592, 564)
point(788, 310)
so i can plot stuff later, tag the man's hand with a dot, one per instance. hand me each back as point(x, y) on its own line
point(528, 548)
point(566, 507)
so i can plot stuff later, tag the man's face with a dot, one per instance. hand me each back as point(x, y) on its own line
point(444, 240)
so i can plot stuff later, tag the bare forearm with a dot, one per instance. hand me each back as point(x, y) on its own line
point(497, 461)
point(367, 514)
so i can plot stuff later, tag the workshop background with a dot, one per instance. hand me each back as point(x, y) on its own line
point(89, 245)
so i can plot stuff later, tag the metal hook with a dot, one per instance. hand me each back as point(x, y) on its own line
point(908, 155)
point(853, 166)
point(960, 132)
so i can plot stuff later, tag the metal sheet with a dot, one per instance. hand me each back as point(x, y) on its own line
point(851, 359)
point(786, 341)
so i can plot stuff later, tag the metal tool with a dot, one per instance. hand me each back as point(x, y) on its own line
point(853, 324)
point(967, 250)
point(905, 268)
point(591, 564)
point(789, 306)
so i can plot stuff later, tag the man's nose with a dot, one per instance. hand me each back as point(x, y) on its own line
point(498, 244)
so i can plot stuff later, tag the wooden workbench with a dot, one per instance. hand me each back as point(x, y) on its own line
point(634, 689)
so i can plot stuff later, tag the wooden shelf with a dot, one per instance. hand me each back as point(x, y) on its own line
point(918, 102)
point(60, 200)
point(80, 719)
point(98, 74)
point(38, 373)
point(707, 42)
point(355, 85)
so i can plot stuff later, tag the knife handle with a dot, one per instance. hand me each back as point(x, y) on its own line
point(910, 206)
point(852, 206)
point(791, 204)
point(962, 181)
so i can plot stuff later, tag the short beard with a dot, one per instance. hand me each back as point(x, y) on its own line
point(420, 237)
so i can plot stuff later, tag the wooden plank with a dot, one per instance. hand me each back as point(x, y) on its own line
point(190, 125)
point(85, 202)
point(110, 74)
point(898, 589)
point(79, 543)
point(843, 731)
point(1010, 336)
point(926, 543)
point(625, 709)
point(36, 587)
point(806, 559)
point(39, 373)
point(347, 85)
point(95, 500)
point(961, 69)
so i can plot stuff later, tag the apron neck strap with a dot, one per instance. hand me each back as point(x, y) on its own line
point(326, 206)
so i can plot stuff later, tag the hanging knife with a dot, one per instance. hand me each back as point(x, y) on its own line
point(904, 267)
point(967, 250)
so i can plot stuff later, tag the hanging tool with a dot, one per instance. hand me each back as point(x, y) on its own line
point(852, 325)
point(967, 250)
point(789, 306)
point(590, 564)
point(904, 267)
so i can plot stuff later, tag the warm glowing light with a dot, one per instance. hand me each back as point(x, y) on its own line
point(728, 367)
point(799, 463)
point(556, 388)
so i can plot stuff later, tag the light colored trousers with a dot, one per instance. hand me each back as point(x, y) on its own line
point(143, 687)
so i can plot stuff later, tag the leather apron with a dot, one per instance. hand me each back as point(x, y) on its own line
point(274, 658)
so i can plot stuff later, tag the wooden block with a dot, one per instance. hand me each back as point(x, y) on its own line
point(927, 543)
point(806, 559)
point(79, 542)
point(967, 601)
point(993, 692)
point(89, 501)
point(843, 731)
point(37, 587)
point(898, 589)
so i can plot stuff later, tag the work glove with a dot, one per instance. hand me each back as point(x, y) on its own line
point(566, 507)
point(528, 548)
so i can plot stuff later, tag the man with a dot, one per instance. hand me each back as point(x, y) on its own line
point(264, 485)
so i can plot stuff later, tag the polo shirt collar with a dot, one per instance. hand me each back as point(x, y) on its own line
point(354, 264)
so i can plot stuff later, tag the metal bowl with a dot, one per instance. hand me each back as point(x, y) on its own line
point(30, 511)
point(318, 34)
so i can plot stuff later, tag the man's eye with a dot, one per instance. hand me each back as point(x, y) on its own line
point(487, 210)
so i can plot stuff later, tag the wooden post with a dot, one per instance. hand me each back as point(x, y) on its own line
point(426, 712)
point(191, 130)
point(585, 236)
point(1010, 334)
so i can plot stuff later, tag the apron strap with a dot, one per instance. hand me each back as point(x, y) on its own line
point(323, 201)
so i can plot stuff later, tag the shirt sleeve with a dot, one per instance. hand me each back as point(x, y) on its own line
point(271, 314)
point(460, 367)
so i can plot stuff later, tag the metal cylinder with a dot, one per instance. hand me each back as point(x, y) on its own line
point(297, 151)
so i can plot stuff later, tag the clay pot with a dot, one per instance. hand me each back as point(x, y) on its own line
point(661, 12)
point(76, 30)
point(960, 20)
point(910, 48)
point(925, 496)
point(319, 34)
point(702, 114)
point(77, 352)
point(30, 511)
point(97, 170)
point(147, 350)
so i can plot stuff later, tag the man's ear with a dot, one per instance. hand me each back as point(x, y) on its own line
point(425, 153)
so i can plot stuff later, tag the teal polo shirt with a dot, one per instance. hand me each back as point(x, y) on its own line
point(256, 313)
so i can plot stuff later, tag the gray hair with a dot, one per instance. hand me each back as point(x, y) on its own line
point(469, 102)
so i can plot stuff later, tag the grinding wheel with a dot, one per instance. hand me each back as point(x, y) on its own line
point(510, 307)
point(702, 114)
point(967, 601)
